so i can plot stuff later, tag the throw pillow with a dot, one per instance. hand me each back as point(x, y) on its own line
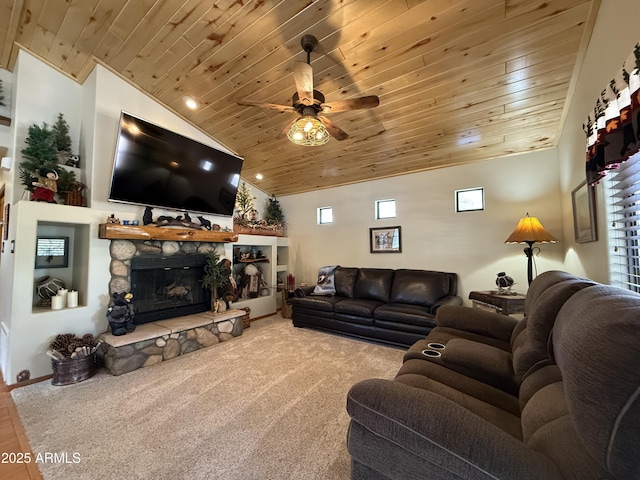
point(326, 284)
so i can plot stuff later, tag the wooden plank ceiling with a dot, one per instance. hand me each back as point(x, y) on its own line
point(458, 80)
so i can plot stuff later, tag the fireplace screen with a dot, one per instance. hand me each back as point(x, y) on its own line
point(167, 287)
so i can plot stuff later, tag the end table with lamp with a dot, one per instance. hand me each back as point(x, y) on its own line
point(504, 303)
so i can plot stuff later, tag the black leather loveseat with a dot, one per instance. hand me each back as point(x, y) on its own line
point(390, 306)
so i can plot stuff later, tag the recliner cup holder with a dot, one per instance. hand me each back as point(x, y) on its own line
point(436, 346)
point(431, 353)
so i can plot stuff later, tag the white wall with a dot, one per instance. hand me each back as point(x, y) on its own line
point(434, 236)
point(615, 33)
point(92, 111)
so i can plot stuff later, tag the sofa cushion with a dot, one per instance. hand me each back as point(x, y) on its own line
point(374, 284)
point(315, 302)
point(358, 307)
point(595, 342)
point(530, 348)
point(345, 278)
point(411, 314)
point(419, 287)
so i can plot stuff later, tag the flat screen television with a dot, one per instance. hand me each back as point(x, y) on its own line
point(156, 167)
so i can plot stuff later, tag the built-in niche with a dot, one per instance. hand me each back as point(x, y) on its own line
point(62, 252)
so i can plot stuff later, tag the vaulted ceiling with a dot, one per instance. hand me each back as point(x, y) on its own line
point(459, 80)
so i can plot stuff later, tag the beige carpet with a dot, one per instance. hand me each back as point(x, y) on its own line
point(269, 404)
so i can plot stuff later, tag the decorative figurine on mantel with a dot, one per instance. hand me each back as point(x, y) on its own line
point(45, 185)
point(504, 283)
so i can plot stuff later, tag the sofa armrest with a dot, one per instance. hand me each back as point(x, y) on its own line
point(443, 439)
point(448, 300)
point(473, 320)
point(303, 291)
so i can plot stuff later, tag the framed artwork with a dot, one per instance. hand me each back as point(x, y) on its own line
point(470, 199)
point(583, 199)
point(385, 240)
point(52, 252)
point(5, 225)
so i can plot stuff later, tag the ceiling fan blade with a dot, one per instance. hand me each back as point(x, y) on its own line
point(335, 131)
point(369, 101)
point(303, 76)
point(272, 106)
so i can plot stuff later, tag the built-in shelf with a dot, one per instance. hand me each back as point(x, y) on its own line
point(115, 231)
point(6, 121)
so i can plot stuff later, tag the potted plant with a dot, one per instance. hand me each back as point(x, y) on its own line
point(275, 216)
point(39, 153)
point(62, 140)
point(216, 276)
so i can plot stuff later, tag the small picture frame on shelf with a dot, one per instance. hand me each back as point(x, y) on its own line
point(385, 240)
point(52, 252)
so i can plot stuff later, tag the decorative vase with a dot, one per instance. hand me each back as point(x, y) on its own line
point(47, 286)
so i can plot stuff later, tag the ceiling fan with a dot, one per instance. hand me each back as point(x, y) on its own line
point(312, 127)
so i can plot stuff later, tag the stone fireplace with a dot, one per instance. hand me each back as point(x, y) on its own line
point(164, 277)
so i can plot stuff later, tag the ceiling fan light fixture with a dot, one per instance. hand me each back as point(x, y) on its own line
point(308, 131)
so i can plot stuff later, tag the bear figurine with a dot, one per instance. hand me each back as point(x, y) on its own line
point(121, 314)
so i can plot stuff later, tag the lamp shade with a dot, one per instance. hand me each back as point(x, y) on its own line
point(308, 131)
point(530, 230)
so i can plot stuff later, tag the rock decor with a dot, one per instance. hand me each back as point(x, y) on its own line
point(122, 251)
point(155, 342)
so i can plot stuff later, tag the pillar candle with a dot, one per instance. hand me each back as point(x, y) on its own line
point(62, 293)
point(72, 299)
point(57, 302)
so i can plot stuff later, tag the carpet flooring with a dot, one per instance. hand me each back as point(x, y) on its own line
point(269, 404)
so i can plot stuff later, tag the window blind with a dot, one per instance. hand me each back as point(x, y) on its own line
point(623, 190)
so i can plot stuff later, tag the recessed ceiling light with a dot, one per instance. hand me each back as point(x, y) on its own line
point(259, 176)
point(191, 102)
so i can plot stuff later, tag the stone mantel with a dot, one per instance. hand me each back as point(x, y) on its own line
point(115, 231)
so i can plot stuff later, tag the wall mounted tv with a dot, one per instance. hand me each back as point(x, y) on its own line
point(158, 168)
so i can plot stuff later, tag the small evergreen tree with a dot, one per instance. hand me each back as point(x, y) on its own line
point(216, 273)
point(244, 201)
point(61, 134)
point(40, 153)
point(274, 214)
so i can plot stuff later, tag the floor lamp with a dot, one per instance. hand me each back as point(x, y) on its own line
point(530, 231)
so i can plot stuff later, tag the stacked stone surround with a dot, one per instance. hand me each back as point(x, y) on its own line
point(155, 342)
point(122, 251)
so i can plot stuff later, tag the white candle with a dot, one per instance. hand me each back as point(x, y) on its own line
point(57, 302)
point(62, 293)
point(72, 299)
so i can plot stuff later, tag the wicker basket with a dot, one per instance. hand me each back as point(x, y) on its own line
point(73, 370)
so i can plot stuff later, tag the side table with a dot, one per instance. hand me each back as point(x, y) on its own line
point(507, 304)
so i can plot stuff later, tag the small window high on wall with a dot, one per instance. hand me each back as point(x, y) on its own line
point(385, 209)
point(325, 215)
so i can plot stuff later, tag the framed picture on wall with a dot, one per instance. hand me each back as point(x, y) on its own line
point(385, 240)
point(52, 252)
point(470, 199)
point(5, 222)
point(583, 199)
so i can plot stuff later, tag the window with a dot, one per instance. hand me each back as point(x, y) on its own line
point(325, 215)
point(385, 209)
point(622, 187)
